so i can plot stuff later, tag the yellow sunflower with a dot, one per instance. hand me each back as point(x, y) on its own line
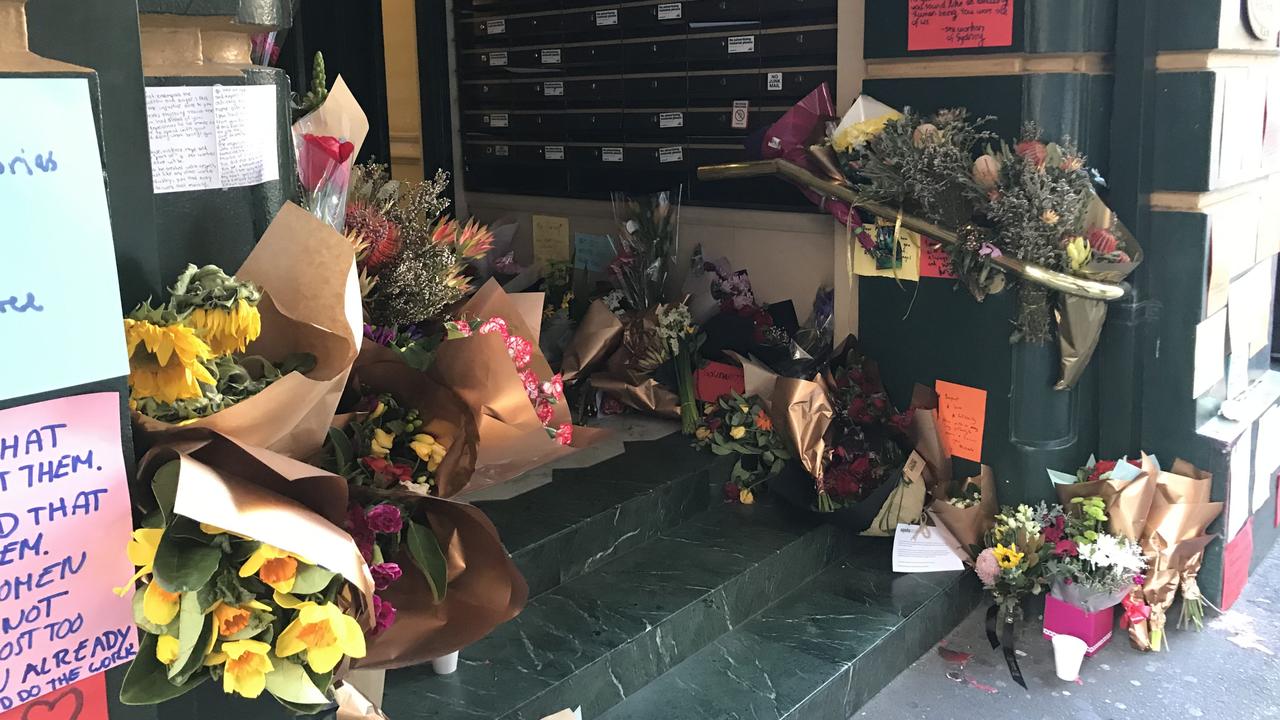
point(1007, 557)
point(227, 329)
point(165, 361)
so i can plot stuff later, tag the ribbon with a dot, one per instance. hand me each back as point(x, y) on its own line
point(1005, 639)
point(1135, 611)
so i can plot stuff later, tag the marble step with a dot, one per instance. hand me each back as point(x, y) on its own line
point(819, 653)
point(604, 635)
point(586, 515)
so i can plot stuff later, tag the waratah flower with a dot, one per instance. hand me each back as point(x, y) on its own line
point(1033, 151)
point(385, 519)
point(987, 567)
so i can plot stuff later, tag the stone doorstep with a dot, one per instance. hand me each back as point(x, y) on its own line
point(586, 516)
point(605, 635)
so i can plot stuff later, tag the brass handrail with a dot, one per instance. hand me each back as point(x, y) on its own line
point(1052, 279)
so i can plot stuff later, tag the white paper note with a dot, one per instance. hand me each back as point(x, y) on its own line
point(60, 319)
point(1266, 458)
point(1238, 509)
point(1240, 320)
point(212, 137)
point(931, 551)
point(1211, 352)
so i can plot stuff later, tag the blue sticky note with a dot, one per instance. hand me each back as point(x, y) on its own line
point(592, 252)
point(60, 320)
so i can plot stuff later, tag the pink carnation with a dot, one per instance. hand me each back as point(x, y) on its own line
point(384, 574)
point(384, 614)
point(494, 325)
point(545, 412)
point(554, 386)
point(385, 519)
point(463, 327)
point(520, 350)
point(530, 381)
point(361, 533)
point(564, 435)
point(987, 567)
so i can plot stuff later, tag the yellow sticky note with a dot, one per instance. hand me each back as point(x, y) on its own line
point(551, 239)
point(908, 265)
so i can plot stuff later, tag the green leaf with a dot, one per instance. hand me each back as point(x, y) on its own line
point(311, 579)
point(146, 682)
point(427, 555)
point(721, 449)
point(290, 684)
point(340, 444)
point(140, 617)
point(164, 485)
point(194, 632)
point(183, 565)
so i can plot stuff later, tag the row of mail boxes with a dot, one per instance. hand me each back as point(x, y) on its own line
point(657, 125)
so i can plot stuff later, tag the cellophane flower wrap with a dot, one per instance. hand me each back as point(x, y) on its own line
point(649, 242)
point(326, 142)
point(261, 356)
point(247, 580)
point(1091, 568)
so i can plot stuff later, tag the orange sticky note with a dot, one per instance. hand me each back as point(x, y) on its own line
point(962, 416)
point(948, 24)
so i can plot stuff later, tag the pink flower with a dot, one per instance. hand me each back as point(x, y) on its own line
point(520, 350)
point(554, 386)
point(494, 325)
point(564, 435)
point(545, 412)
point(731, 492)
point(1032, 151)
point(1102, 241)
point(1065, 547)
point(384, 574)
point(384, 614)
point(530, 381)
point(987, 567)
point(462, 327)
point(385, 519)
point(359, 529)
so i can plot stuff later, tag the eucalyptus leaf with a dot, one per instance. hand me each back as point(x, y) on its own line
point(146, 682)
point(425, 550)
point(194, 633)
point(183, 565)
point(164, 485)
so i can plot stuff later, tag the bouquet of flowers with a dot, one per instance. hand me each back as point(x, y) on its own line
point(682, 339)
point(276, 340)
point(246, 579)
point(557, 309)
point(738, 425)
point(969, 512)
point(326, 141)
point(1091, 568)
point(1127, 488)
point(649, 243)
point(1013, 565)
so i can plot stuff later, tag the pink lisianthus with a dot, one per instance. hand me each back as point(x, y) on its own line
point(385, 519)
point(987, 567)
point(564, 435)
point(384, 614)
point(384, 574)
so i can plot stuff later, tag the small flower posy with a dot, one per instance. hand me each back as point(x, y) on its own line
point(738, 425)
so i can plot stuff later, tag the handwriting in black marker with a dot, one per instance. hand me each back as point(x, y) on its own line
point(12, 304)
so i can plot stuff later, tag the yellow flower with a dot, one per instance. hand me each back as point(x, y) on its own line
point(702, 433)
point(275, 567)
point(1078, 252)
point(708, 409)
point(167, 649)
point(245, 666)
point(737, 432)
point(325, 633)
point(1007, 557)
point(142, 553)
point(423, 446)
point(851, 136)
point(377, 411)
point(231, 619)
point(159, 606)
point(745, 408)
point(381, 443)
point(165, 361)
point(227, 330)
point(746, 497)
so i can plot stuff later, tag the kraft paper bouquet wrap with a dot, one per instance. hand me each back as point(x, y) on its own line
point(599, 354)
point(968, 514)
point(309, 307)
point(241, 551)
point(1128, 488)
point(327, 141)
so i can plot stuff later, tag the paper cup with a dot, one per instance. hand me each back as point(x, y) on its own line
point(449, 663)
point(1068, 653)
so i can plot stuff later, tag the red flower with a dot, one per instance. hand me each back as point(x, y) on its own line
point(1065, 547)
point(358, 527)
point(520, 350)
point(319, 157)
point(494, 325)
point(861, 467)
point(1053, 533)
point(564, 435)
point(445, 233)
point(387, 473)
point(902, 421)
point(530, 381)
point(1033, 151)
point(545, 411)
point(380, 235)
point(1103, 467)
point(1102, 241)
point(554, 386)
point(731, 492)
point(384, 614)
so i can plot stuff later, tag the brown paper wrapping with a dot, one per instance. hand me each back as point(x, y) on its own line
point(969, 525)
point(311, 303)
point(1128, 502)
point(485, 589)
point(353, 705)
point(598, 336)
point(340, 116)
point(479, 370)
point(265, 496)
point(1170, 567)
point(627, 381)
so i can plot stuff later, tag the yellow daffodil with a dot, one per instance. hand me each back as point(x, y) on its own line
point(738, 432)
point(227, 330)
point(381, 443)
point(746, 497)
point(745, 408)
point(275, 567)
point(231, 619)
point(142, 553)
point(1078, 252)
point(159, 606)
point(165, 361)
point(852, 136)
point(325, 633)
point(702, 433)
point(167, 649)
point(245, 666)
point(1007, 557)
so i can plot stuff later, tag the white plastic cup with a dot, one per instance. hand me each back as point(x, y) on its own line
point(1068, 653)
point(449, 663)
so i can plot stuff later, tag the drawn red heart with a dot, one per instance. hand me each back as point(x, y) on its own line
point(66, 706)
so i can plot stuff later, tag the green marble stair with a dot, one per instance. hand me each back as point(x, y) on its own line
point(819, 653)
point(604, 635)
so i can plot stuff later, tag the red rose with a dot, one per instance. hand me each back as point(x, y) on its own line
point(1102, 241)
point(1032, 151)
point(319, 156)
point(387, 473)
point(861, 467)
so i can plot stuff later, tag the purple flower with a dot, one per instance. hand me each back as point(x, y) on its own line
point(360, 531)
point(385, 519)
point(381, 335)
point(989, 250)
point(384, 614)
point(384, 574)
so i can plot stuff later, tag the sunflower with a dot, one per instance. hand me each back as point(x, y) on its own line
point(1007, 557)
point(229, 329)
point(164, 357)
point(221, 308)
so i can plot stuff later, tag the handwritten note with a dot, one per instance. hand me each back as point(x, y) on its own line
point(949, 24)
point(1211, 353)
point(212, 137)
point(902, 263)
point(551, 239)
point(962, 417)
point(1236, 557)
point(935, 262)
point(59, 301)
point(593, 253)
point(716, 379)
point(65, 521)
point(85, 700)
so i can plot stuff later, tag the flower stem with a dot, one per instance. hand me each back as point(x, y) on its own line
point(684, 379)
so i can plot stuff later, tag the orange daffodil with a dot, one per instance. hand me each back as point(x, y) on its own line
point(231, 619)
point(245, 664)
point(275, 567)
point(324, 633)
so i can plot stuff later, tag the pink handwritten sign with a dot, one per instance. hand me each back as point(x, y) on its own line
point(717, 379)
point(935, 262)
point(953, 24)
point(64, 524)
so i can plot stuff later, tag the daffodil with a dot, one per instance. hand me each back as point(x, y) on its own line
point(142, 553)
point(245, 666)
point(380, 445)
point(738, 432)
point(227, 329)
point(159, 606)
point(275, 567)
point(325, 633)
point(167, 649)
point(165, 360)
point(231, 619)
point(1007, 557)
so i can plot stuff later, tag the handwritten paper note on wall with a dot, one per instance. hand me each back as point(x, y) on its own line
point(962, 417)
point(948, 24)
point(59, 300)
point(65, 521)
point(212, 137)
point(551, 239)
